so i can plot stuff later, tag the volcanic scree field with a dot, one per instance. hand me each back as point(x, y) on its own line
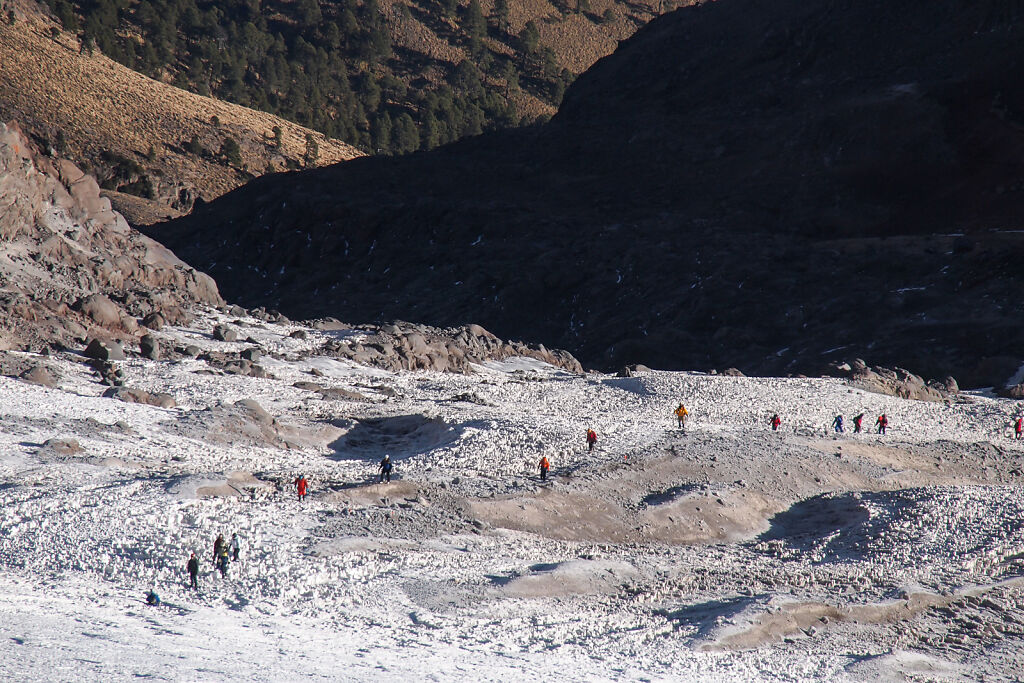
point(726, 553)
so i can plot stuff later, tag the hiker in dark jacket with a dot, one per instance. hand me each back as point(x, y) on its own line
point(858, 423)
point(218, 545)
point(837, 424)
point(193, 572)
point(385, 468)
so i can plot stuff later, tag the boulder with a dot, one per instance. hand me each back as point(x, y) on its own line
point(259, 371)
point(149, 347)
point(61, 446)
point(39, 375)
point(154, 321)
point(127, 395)
point(109, 373)
point(104, 350)
point(100, 309)
point(307, 386)
point(298, 334)
point(251, 354)
point(224, 333)
point(237, 311)
point(254, 411)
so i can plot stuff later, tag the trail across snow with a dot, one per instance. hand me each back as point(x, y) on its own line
point(710, 555)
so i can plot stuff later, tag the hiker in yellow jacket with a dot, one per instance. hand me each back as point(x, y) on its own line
point(681, 413)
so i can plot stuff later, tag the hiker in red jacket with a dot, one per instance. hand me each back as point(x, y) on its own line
point(775, 422)
point(1018, 427)
point(858, 423)
point(591, 439)
point(882, 422)
point(544, 466)
point(300, 484)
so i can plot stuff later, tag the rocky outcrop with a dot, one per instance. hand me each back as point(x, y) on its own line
point(405, 346)
point(161, 400)
point(71, 268)
point(894, 381)
point(1015, 391)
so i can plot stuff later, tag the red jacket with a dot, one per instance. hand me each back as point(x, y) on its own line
point(591, 436)
point(301, 483)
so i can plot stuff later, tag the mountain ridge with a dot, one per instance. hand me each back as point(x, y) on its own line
point(715, 193)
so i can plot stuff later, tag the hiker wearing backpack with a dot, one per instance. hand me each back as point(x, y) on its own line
point(591, 439)
point(858, 423)
point(385, 467)
point(681, 413)
point(883, 423)
point(775, 422)
point(544, 466)
point(837, 424)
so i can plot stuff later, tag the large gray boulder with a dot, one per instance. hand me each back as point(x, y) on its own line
point(104, 350)
point(224, 333)
point(149, 347)
point(100, 309)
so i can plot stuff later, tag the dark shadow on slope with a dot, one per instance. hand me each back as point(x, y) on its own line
point(400, 436)
point(706, 616)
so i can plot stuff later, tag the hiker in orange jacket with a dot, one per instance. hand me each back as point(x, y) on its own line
point(544, 466)
point(681, 413)
point(300, 485)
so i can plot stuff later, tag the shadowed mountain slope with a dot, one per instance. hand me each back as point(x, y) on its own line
point(766, 185)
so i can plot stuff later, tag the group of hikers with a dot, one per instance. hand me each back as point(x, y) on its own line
point(882, 423)
point(223, 553)
point(384, 467)
point(681, 413)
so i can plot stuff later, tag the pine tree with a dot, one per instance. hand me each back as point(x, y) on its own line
point(312, 151)
point(475, 25)
point(499, 14)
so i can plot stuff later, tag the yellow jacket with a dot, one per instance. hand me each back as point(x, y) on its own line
point(682, 412)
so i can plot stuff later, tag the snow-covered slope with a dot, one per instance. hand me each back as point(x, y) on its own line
point(726, 553)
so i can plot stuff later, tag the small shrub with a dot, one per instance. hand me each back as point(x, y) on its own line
point(230, 150)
